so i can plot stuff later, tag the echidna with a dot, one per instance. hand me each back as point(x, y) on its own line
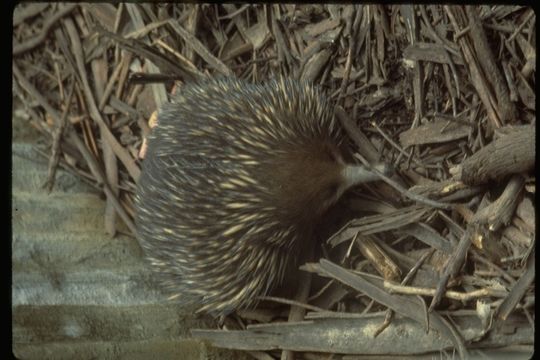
point(235, 179)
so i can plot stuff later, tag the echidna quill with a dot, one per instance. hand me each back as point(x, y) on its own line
point(235, 179)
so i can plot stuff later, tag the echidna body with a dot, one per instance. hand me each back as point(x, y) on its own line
point(235, 178)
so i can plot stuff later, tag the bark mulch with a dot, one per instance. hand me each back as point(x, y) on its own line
point(442, 260)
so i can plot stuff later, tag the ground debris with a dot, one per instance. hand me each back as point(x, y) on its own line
point(446, 94)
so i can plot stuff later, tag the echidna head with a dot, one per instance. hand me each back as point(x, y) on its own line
point(307, 179)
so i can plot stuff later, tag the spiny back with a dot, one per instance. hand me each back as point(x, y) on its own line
point(235, 178)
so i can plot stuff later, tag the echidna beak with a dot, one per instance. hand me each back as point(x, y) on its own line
point(358, 174)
